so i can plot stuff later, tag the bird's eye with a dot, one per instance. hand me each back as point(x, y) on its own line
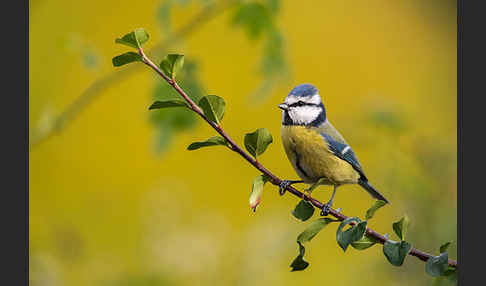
point(298, 103)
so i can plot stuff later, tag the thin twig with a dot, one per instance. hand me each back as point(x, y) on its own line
point(94, 91)
point(273, 179)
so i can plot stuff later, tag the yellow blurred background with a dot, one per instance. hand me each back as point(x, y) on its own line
point(105, 208)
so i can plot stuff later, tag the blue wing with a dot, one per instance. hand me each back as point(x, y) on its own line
point(344, 152)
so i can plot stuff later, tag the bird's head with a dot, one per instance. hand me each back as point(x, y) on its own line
point(303, 106)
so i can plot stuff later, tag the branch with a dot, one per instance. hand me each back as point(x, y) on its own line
point(273, 178)
point(94, 90)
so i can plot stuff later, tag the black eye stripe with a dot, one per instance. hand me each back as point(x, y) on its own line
point(301, 103)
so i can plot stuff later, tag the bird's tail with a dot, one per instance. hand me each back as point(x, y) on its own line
point(372, 191)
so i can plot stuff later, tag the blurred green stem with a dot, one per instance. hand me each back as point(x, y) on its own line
point(273, 179)
point(95, 90)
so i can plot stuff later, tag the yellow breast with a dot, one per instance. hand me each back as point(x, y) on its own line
point(312, 159)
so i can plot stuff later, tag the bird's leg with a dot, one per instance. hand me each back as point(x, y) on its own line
point(327, 207)
point(309, 190)
point(286, 183)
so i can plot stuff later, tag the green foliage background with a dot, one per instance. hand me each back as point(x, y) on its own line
point(116, 199)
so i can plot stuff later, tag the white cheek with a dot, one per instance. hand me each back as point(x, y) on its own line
point(315, 99)
point(304, 114)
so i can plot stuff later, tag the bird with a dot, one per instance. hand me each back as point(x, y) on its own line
point(317, 151)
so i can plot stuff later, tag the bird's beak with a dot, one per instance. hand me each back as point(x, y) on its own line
point(283, 106)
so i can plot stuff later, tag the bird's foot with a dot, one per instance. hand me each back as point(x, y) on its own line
point(326, 209)
point(283, 185)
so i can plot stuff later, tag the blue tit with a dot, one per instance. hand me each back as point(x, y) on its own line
point(316, 150)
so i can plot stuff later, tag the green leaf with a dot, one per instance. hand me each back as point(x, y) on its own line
point(126, 58)
point(257, 142)
point(213, 107)
point(273, 5)
point(303, 210)
point(451, 274)
point(134, 39)
point(354, 233)
point(216, 140)
point(396, 252)
point(254, 18)
point(444, 247)
point(437, 265)
point(364, 243)
point(400, 227)
point(174, 121)
point(257, 191)
point(371, 211)
point(299, 263)
point(168, 103)
point(141, 36)
point(273, 62)
point(172, 64)
point(313, 229)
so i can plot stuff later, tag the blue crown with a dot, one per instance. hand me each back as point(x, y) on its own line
point(304, 90)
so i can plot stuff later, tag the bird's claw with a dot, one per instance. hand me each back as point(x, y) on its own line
point(283, 186)
point(326, 209)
